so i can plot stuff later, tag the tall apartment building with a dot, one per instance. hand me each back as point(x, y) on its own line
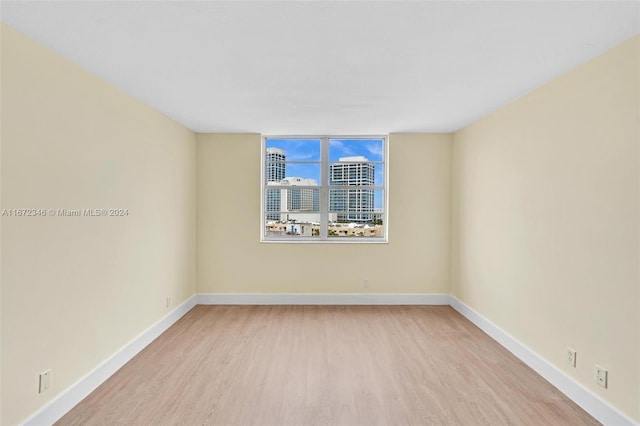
point(299, 204)
point(274, 172)
point(301, 199)
point(352, 205)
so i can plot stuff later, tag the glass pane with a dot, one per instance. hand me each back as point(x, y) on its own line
point(356, 201)
point(291, 200)
point(379, 175)
point(355, 231)
point(352, 173)
point(303, 171)
point(293, 225)
point(378, 200)
point(272, 202)
point(356, 213)
point(360, 206)
point(352, 229)
point(356, 150)
point(292, 150)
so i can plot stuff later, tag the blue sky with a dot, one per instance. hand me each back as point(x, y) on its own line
point(307, 151)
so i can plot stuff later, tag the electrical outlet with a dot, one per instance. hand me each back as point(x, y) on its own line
point(45, 381)
point(601, 376)
point(365, 283)
point(571, 357)
point(168, 301)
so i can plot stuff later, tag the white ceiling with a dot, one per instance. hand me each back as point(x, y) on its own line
point(326, 67)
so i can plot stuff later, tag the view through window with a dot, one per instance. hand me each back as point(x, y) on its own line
point(324, 189)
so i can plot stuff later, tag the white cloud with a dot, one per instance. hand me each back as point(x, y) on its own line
point(342, 149)
point(375, 149)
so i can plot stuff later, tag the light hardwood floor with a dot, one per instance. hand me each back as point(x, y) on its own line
point(325, 365)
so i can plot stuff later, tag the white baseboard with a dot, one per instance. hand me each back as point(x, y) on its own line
point(75, 393)
point(321, 299)
point(589, 401)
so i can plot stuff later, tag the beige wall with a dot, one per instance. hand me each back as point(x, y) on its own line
point(545, 225)
point(77, 289)
point(231, 258)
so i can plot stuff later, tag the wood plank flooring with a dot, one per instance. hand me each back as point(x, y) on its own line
point(325, 365)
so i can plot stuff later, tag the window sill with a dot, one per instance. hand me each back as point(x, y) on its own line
point(344, 240)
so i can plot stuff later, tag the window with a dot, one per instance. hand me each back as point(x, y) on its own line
point(324, 189)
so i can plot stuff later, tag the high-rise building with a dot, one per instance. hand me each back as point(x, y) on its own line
point(275, 166)
point(275, 171)
point(301, 199)
point(299, 204)
point(352, 205)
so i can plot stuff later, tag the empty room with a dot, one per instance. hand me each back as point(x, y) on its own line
point(320, 213)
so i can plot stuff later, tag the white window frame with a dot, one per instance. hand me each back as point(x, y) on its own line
point(324, 187)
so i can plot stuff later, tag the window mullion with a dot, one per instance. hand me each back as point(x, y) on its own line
point(324, 188)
